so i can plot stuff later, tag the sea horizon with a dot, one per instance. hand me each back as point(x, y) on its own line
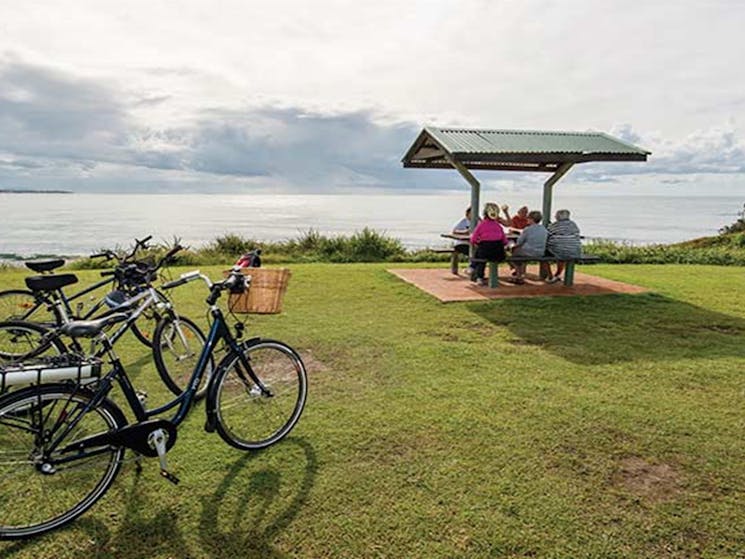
point(80, 223)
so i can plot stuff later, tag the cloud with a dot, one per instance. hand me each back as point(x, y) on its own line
point(49, 114)
point(88, 134)
point(714, 151)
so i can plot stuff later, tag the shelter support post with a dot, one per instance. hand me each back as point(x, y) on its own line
point(475, 189)
point(548, 187)
point(548, 193)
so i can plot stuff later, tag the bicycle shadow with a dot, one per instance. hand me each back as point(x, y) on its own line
point(241, 522)
point(618, 328)
point(140, 534)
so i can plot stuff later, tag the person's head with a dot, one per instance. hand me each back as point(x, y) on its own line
point(491, 211)
point(535, 216)
point(523, 212)
point(562, 215)
point(468, 212)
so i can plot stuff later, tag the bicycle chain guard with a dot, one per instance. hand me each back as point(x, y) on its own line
point(134, 437)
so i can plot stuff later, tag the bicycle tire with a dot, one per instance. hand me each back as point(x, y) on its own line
point(38, 495)
point(19, 304)
point(177, 345)
point(21, 340)
point(144, 327)
point(245, 417)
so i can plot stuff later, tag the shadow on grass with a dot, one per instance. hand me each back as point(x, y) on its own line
point(618, 328)
point(90, 529)
point(244, 516)
point(140, 534)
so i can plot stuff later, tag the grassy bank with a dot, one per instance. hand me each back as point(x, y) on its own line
point(373, 246)
point(574, 427)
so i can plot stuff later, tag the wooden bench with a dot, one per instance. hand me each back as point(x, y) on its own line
point(568, 271)
point(454, 257)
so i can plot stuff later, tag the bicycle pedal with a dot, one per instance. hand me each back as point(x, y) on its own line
point(170, 477)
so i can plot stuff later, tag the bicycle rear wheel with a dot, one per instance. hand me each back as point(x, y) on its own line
point(177, 346)
point(21, 340)
point(41, 488)
point(19, 304)
point(246, 416)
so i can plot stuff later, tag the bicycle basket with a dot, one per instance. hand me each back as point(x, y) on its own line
point(265, 292)
point(50, 369)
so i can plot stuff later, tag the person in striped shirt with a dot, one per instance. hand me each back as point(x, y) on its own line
point(564, 241)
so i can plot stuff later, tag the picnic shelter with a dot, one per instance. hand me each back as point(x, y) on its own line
point(554, 152)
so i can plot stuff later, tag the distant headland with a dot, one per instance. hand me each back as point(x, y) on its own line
point(23, 191)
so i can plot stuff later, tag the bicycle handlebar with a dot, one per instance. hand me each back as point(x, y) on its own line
point(236, 282)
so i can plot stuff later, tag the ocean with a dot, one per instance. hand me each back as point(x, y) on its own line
point(79, 224)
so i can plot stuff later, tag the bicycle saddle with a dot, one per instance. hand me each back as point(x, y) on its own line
point(46, 265)
point(50, 283)
point(90, 328)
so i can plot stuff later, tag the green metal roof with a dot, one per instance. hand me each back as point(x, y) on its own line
point(515, 150)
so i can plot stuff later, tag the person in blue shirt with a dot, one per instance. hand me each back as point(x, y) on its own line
point(531, 242)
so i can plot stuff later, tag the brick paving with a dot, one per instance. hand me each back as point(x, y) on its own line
point(448, 288)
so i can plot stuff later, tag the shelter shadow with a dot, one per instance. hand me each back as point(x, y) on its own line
point(618, 328)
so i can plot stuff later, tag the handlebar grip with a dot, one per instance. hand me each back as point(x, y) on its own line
point(174, 283)
point(101, 255)
point(107, 273)
point(142, 242)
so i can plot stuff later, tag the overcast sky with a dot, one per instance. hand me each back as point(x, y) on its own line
point(327, 95)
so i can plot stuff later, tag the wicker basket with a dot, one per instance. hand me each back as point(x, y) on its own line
point(265, 293)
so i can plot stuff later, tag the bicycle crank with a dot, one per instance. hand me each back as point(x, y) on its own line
point(157, 440)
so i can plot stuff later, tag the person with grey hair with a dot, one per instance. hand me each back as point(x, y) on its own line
point(531, 242)
point(564, 242)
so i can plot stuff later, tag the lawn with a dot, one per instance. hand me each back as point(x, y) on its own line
point(607, 426)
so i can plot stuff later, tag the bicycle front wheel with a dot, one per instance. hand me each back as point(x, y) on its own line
point(250, 415)
point(21, 340)
point(41, 487)
point(177, 346)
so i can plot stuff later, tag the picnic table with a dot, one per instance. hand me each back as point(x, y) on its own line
point(512, 236)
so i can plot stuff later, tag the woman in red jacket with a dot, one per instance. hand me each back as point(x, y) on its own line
point(489, 239)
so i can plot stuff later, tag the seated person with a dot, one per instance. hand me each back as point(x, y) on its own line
point(564, 241)
point(531, 242)
point(463, 227)
point(489, 239)
point(519, 220)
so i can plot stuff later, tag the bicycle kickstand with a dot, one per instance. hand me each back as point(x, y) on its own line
point(157, 440)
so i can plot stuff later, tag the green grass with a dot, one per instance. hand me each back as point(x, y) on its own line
point(608, 426)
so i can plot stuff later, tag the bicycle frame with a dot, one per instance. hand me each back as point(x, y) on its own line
point(219, 330)
point(59, 300)
point(150, 297)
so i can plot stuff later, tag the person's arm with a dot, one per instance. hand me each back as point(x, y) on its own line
point(521, 239)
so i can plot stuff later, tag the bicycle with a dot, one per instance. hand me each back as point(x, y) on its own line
point(21, 338)
point(73, 437)
point(46, 303)
point(176, 341)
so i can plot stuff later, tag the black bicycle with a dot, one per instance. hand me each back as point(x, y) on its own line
point(62, 444)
